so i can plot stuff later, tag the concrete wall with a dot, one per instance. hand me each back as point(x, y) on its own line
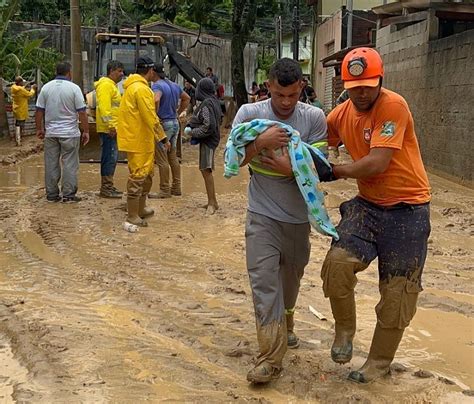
point(435, 77)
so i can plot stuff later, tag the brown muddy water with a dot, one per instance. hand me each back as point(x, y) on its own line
point(91, 313)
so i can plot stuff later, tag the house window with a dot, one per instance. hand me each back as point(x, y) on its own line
point(305, 42)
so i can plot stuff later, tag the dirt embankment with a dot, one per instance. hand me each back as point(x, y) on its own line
point(11, 154)
point(91, 313)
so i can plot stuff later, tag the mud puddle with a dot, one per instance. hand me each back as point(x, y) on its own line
point(94, 314)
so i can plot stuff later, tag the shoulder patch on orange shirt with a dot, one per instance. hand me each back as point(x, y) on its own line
point(388, 129)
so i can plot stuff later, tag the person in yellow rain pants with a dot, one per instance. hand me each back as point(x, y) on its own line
point(20, 97)
point(138, 128)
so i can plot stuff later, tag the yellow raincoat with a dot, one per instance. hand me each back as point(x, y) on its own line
point(108, 103)
point(20, 96)
point(138, 125)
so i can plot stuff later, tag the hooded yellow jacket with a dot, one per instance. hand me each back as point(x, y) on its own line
point(20, 96)
point(138, 125)
point(108, 103)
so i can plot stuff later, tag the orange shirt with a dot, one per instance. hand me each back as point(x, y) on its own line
point(388, 123)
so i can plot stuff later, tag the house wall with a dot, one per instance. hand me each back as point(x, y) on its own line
point(435, 77)
point(331, 6)
point(305, 50)
point(330, 31)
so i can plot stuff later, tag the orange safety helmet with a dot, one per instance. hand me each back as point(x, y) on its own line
point(362, 67)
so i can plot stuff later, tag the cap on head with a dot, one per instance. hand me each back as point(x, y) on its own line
point(145, 61)
point(362, 67)
point(158, 68)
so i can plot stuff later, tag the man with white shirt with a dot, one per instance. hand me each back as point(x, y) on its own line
point(59, 104)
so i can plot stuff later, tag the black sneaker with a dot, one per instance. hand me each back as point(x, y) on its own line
point(71, 199)
point(53, 199)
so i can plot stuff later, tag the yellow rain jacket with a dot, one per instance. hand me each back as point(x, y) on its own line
point(20, 96)
point(108, 103)
point(138, 125)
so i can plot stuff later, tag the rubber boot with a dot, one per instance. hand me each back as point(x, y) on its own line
point(18, 135)
point(382, 351)
point(107, 189)
point(134, 193)
point(344, 312)
point(143, 211)
point(160, 195)
point(293, 341)
point(133, 206)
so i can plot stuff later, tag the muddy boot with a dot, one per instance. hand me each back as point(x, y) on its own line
point(344, 313)
point(18, 135)
point(134, 192)
point(293, 341)
point(133, 206)
point(160, 195)
point(176, 191)
point(382, 351)
point(263, 373)
point(143, 211)
point(107, 189)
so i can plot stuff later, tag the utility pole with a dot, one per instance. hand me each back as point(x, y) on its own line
point(349, 23)
point(76, 54)
point(296, 30)
point(137, 43)
point(113, 16)
point(278, 36)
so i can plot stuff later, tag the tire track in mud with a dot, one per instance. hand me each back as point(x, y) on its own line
point(174, 323)
point(83, 269)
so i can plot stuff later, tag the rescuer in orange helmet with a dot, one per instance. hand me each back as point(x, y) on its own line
point(388, 219)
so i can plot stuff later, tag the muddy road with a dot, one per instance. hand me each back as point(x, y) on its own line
point(91, 313)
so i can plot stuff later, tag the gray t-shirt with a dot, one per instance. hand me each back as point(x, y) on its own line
point(61, 100)
point(279, 197)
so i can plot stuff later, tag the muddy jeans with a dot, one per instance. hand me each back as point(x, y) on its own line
point(61, 152)
point(398, 237)
point(166, 160)
point(277, 254)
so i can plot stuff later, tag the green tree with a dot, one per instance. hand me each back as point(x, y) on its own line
point(6, 12)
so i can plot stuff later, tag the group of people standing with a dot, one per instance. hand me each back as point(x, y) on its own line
point(388, 220)
point(143, 123)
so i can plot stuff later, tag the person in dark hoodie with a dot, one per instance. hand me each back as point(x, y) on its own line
point(204, 128)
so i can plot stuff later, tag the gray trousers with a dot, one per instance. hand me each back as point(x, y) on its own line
point(61, 152)
point(277, 254)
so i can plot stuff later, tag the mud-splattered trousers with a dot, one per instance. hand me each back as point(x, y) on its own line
point(398, 236)
point(277, 254)
point(141, 170)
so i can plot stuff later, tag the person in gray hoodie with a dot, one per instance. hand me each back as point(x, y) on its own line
point(204, 128)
